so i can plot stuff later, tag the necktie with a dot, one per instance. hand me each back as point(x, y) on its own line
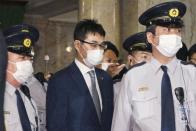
point(167, 105)
point(26, 126)
point(94, 94)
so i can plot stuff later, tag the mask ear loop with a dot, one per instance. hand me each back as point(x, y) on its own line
point(11, 63)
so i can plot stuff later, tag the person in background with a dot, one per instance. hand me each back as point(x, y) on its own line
point(37, 85)
point(20, 111)
point(112, 66)
point(110, 62)
point(192, 54)
point(3, 65)
point(159, 95)
point(48, 76)
point(182, 54)
point(80, 97)
point(138, 49)
point(41, 78)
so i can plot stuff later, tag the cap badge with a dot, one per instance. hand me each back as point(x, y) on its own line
point(27, 42)
point(174, 12)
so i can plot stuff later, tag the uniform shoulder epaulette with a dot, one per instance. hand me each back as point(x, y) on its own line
point(187, 63)
point(137, 65)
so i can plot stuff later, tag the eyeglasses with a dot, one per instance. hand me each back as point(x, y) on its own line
point(95, 45)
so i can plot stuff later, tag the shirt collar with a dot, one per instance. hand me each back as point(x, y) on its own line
point(83, 68)
point(156, 65)
point(171, 65)
point(10, 89)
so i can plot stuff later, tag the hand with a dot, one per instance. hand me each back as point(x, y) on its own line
point(115, 68)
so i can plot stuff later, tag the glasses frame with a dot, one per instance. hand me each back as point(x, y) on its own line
point(101, 45)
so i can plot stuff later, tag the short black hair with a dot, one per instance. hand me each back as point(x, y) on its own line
point(151, 29)
point(87, 26)
point(182, 52)
point(191, 51)
point(111, 46)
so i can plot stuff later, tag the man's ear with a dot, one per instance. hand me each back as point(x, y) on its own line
point(76, 44)
point(130, 57)
point(149, 37)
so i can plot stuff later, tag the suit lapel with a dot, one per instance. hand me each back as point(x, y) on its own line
point(82, 86)
point(78, 77)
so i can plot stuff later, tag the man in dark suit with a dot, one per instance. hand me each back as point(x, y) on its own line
point(3, 64)
point(80, 97)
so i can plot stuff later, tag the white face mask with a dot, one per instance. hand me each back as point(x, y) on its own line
point(24, 70)
point(169, 45)
point(104, 66)
point(94, 57)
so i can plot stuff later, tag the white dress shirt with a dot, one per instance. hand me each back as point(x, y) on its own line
point(84, 70)
point(138, 106)
point(11, 115)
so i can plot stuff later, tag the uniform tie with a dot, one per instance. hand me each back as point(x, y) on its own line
point(94, 94)
point(26, 126)
point(167, 105)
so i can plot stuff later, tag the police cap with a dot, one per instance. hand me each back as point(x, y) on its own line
point(168, 14)
point(137, 42)
point(21, 38)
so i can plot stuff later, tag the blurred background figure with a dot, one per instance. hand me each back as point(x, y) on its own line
point(110, 62)
point(37, 85)
point(138, 49)
point(182, 53)
point(48, 76)
point(40, 77)
point(112, 66)
point(192, 54)
point(3, 64)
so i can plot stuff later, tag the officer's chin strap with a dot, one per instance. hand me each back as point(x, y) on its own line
point(26, 91)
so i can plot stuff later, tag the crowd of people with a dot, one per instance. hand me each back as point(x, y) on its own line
point(153, 90)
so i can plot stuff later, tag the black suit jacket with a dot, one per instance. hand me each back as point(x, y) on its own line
point(3, 65)
point(69, 105)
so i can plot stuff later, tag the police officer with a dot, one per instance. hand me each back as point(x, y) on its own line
point(20, 111)
point(138, 49)
point(159, 95)
point(192, 54)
